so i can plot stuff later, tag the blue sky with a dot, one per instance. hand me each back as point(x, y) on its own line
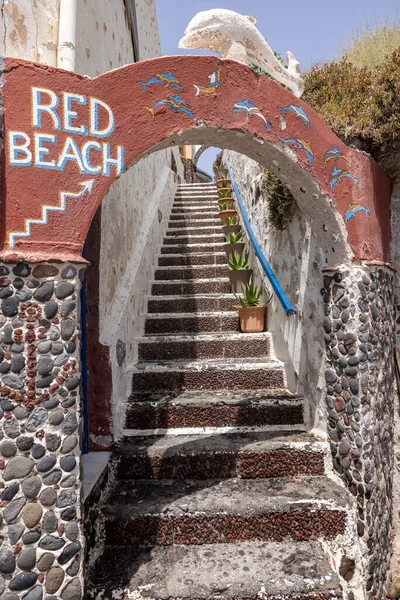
point(313, 29)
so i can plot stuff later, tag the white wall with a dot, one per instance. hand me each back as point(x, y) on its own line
point(295, 260)
point(29, 30)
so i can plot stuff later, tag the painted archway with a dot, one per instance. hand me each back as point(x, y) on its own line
point(68, 137)
point(199, 152)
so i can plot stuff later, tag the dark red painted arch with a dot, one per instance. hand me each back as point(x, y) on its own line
point(242, 111)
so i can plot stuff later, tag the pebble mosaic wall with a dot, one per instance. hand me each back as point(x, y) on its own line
point(40, 527)
point(359, 330)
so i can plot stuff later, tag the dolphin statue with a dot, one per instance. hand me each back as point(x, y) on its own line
point(236, 37)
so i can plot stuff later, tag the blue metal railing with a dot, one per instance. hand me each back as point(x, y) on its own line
point(283, 299)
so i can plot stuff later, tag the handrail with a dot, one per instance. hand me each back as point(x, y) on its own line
point(287, 306)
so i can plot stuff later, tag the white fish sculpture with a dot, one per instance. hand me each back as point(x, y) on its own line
point(236, 37)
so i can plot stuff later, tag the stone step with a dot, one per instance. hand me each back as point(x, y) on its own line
point(215, 229)
point(199, 286)
point(223, 374)
point(193, 225)
point(182, 208)
point(192, 272)
point(205, 346)
point(195, 216)
point(194, 411)
point(182, 238)
point(246, 455)
point(246, 571)
point(190, 323)
point(193, 248)
point(174, 512)
point(221, 302)
point(213, 258)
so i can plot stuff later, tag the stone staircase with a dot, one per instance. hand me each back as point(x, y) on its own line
point(217, 488)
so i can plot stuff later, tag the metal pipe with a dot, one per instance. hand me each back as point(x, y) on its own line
point(66, 35)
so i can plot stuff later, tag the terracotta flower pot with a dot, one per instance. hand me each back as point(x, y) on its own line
point(231, 229)
point(223, 183)
point(252, 318)
point(227, 213)
point(227, 201)
point(238, 277)
point(237, 247)
point(221, 172)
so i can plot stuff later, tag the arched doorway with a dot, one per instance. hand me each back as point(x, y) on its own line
point(64, 149)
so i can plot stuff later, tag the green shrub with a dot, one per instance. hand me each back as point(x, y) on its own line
point(281, 204)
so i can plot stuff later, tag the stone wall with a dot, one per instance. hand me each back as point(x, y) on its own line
point(40, 429)
point(296, 259)
point(359, 328)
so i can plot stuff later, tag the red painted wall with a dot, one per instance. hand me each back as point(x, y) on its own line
point(148, 111)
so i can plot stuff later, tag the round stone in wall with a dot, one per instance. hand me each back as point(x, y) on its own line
point(36, 419)
point(72, 590)
point(68, 272)
point(23, 581)
point(68, 482)
point(44, 347)
point(7, 561)
point(18, 467)
point(48, 497)
point(70, 423)
point(36, 593)
point(41, 271)
point(45, 561)
point(13, 381)
point(68, 463)
point(31, 537)
point(31, 486)
point(53, 477)
point(32, 514)
point(45, 365)
point(27, 559)
point(22, 269)
point(72, 531)
point(46, 463)
point(9, 492)
point(8, 449)
point(64, 289)
point(53, 440)
point(56, 417)
point(38, 451)
point(9, 306)
point(50, 542)
point(69, 552)
point(67, 308)
point(54, 579)
point(44, 292)
point(13, 509)
point(50, 522)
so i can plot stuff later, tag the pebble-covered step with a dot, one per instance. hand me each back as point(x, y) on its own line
point(183, 259)
point(147, 412)
point(189, 323)
point(203, 346)
point(191, 272)
point(215, 285)
point(201, 247)
point(195, 216)
point(246, 571)
point(191, 303)
point(224, 374)
point(195, 238)
point(172, 512)
point(247, 456)
point(192, 230)
point(186, 208)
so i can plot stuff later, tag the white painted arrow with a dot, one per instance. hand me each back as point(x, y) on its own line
point(87, 186)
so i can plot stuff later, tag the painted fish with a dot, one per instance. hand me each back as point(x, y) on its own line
point(333, 154)
point(301, 145)
point(212, 86)
point(298, 112)
point(167, 79)
point(245, 106)
point(176, 104)
point(353, 210)
point(337, 176)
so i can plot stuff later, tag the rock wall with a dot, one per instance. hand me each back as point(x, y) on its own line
point(296, 260)
point(40, 430)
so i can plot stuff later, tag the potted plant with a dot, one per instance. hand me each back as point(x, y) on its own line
point(223, 183)
point(252, 308)
point(239, 273)
point(226, 211)
point(234, 243)
point(225, 195)
point(232, 225)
